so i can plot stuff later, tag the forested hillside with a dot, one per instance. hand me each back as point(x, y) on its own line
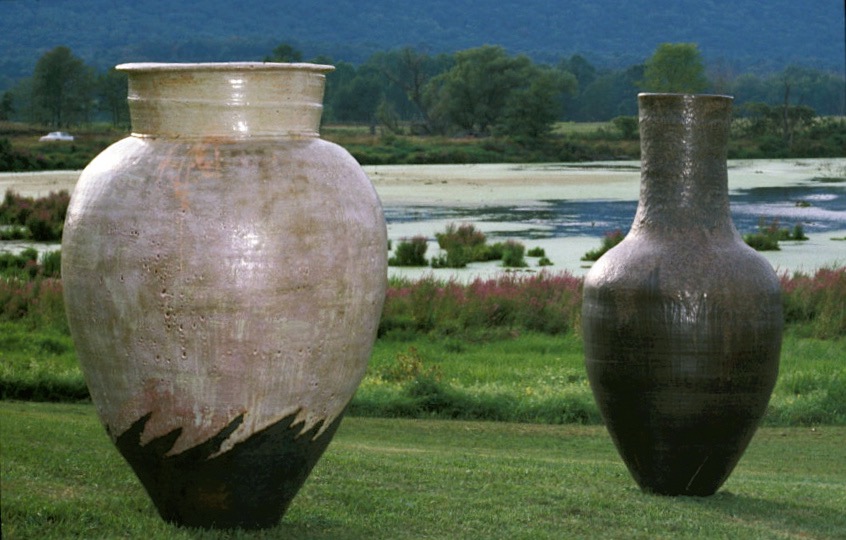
point(745, 35)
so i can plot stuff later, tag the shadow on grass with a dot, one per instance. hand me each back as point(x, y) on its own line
point(302, 528)
point(773, 517)
point(320, 529)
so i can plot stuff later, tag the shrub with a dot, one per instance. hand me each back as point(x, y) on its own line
point(21, 266)
point(465, 235)
point(627, 126)
point(457, 257)
point(611, 239)
point(408, 366)
point(542, 302)
point(44, 217)
point(536, 252)
point(463, 244)
point(512, 254)
point(25, 265)
point(817, 303)
point(410, 252)
point(769, 234)
point(760, 241)
point(51, 264)
point(13, 232)
point(37, 302)
point(14, 159)
point(798, 232)
point(40, 227)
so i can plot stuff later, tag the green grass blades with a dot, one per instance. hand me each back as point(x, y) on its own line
point(38, 365)
point(811, 387)
point(531, 378)
point(404, 479)
point(541, 378)
point(488, 375)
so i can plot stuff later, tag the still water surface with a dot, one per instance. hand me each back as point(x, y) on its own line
point(817, 207)
point(808, 193)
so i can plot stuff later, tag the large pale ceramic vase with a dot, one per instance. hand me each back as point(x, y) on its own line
point(224, 272)
point(682, 321)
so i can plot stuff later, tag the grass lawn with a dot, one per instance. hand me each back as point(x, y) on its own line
point(535, 378)
point(541, 378)
point(393, 479)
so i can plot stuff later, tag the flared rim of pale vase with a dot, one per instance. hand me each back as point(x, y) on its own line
point(139, 67)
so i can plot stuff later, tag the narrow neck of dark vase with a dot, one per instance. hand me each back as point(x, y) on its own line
point(684, 181)
point(226, 100)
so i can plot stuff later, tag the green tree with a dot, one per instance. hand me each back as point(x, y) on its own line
point(627, 125)
point(675, 67)
point(750, 88)
point(782, 121)
point(611, 94)
point(473, 94)
point(6, 106)
point(585, 73)
point(111, 91)
point(357, 94)
point(819, 90)
point(531, 110)
point(284, 53)
point(62, 88)
point(409, 71)
point(583, 70)
point(823, 91)
point(21, 101)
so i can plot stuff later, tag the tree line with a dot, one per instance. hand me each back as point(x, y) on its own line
point(480, 91)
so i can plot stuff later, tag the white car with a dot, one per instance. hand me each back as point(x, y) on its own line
point(57, 136)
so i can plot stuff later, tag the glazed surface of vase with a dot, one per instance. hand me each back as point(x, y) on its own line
point(682, 321)
point(224, 271)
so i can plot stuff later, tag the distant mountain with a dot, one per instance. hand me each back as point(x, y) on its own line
point(745, 35)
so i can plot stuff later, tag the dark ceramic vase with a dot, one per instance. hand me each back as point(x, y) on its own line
point(224, 271)
point(682, 320)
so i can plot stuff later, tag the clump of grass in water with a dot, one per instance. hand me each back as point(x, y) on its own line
point(512, 254)
point(611, 239)
point(539, 252)
point(410, 252)
point(40, 219)
point(463, 244)
point(769, 235)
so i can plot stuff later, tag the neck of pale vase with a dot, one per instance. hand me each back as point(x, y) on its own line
point(226, 100)
point(684, 181)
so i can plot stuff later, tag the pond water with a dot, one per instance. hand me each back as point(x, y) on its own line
point(810, 194)
point(819, 207)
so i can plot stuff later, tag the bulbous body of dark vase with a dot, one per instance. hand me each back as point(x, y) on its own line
point(682, 320)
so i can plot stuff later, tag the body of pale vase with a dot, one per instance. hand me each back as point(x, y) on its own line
point(224, 272)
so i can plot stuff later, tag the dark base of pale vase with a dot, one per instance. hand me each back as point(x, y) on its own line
point(249, 486)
